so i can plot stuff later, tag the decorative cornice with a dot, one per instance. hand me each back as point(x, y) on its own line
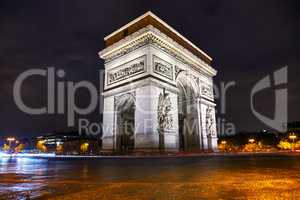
point(151, 35)
point(127, 42)
point(138, 83)
point(206, 101)
point(150, 18)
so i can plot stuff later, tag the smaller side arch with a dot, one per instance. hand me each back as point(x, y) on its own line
point(187, 112)
point(185, 79)
point(125, 122)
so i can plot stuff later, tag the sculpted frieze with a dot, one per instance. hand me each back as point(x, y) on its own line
point(162, 67)
point(206, 90)
point(132, 68)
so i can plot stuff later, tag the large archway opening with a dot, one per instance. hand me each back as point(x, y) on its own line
point(125, 121)
point(189, 139)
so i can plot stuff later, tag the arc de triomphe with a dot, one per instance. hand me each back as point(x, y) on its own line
point(158, 92)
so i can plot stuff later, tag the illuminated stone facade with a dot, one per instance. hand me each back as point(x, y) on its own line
point(158, 94)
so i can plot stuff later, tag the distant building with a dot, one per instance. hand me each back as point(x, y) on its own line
point(293, 126)
point(69, 143)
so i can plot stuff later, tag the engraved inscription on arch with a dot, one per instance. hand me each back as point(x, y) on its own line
point(127, 70)
point(162, 67)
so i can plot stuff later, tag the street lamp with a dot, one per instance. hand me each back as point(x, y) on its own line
point(293, 137)
point(10, 140)
point(223, 142)
point(251, 140)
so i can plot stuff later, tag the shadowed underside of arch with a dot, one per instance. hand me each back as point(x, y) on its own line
point(125, 116)
point(187, 113)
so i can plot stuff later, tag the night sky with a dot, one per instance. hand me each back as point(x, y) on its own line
point(247, 40)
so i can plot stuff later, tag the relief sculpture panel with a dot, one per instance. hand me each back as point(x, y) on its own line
point(127, 70)
point(162, 67)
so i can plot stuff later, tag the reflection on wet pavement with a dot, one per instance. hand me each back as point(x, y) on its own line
point(235, 177)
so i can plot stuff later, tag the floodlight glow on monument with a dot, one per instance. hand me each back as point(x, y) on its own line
point(158, 91)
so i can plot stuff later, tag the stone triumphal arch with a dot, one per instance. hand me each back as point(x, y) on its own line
point(158, 92)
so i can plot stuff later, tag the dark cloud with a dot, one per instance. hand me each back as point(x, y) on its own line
point(247, 40)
